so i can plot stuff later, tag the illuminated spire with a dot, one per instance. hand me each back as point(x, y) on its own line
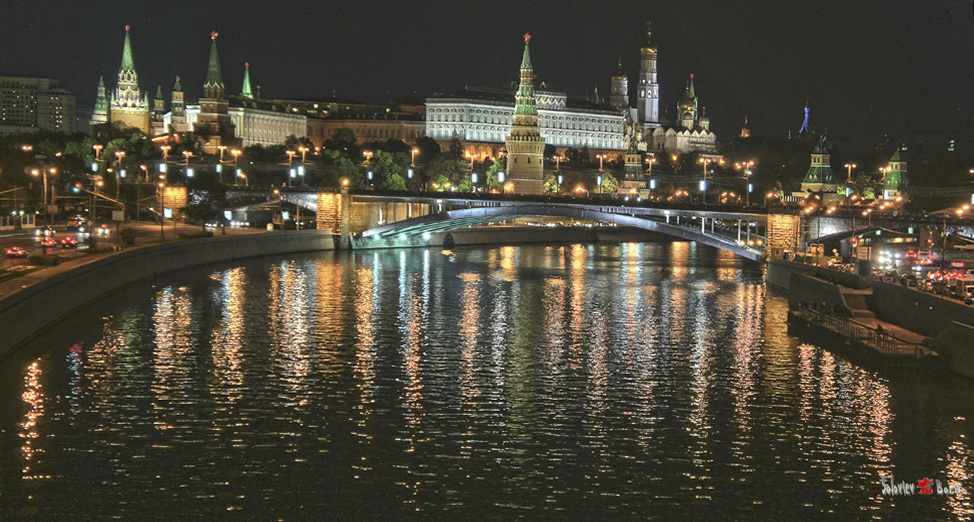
point(247, 92)
point(524, 99)
point(128, 64)
point(213, 86)
point(526, 59)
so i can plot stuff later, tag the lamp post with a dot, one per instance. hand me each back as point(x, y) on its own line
point(222, 149)
point(557, 162)
point(471, 158)
point(165, 152)
point(161, 196)
point(414, 151)
point(290, 157)
point(43, 172)
point(601, 161)
point(304, 152)
point(368, 156)
point(745, 167)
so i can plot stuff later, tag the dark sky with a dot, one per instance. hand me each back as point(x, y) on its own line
point(865, 66)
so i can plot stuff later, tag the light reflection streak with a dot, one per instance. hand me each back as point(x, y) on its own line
point(172, 319)
point(290, 330)
point(227, 339)
point(30, 435)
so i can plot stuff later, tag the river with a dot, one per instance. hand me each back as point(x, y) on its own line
point(633, 380)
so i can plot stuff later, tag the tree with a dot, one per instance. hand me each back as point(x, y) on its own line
point(393, 182)
point(386, 163)
point(493, 183)
point(292, 142)
point(428, 149)
point(447, 166)
point(551, 185)
point(466, 184)
point(343, 140)
point(610, 185)
point(456, 148)
point(441, 183)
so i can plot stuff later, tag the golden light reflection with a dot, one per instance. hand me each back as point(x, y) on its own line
point(469, 335)
point(30, 435)
point(292, 299)
point(172, 319)
point(227, 339)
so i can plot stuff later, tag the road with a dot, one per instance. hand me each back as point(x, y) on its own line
point(145, 232)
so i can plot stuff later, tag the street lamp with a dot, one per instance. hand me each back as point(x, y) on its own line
point(235, 153)
point(557, 162)
point(222, 149)
point(601, 160)
point(414, 151)
point(43, 172)
point(290, 157)
point(304, 151)
point(368, 156)
point(745, 166)
point(471, 158)
point(849, 167)
point(165, 152)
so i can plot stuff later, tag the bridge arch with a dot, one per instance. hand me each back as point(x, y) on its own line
point(416, 231)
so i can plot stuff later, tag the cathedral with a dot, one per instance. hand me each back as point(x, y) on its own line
point(690, 132)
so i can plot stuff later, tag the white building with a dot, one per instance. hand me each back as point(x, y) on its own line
point(256, 122)
point(486, 116)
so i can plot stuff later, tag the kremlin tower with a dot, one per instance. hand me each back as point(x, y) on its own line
point(525, 146)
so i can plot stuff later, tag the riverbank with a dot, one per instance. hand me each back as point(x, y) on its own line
point(32, 302)
point(870, 310)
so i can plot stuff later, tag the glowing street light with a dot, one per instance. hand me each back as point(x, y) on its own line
point(368, 156)
point(602, 158)
point(414, 151)
point(304, 151)
point(290, 156)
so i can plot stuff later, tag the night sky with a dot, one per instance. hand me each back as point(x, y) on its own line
point(866, 67)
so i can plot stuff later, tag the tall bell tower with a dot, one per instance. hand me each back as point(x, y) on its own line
point(647, 101)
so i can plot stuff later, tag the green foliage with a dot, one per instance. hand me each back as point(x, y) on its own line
point(428, 149)
point(498, 166)
point(292, 142)
point(865, 186)
point(393, 182)
point(344, 141)
point(441, 183)
point(551, 185)
point(447, 166)
point(456, 148)
point(610, 185)
point(387, 163)
point(466, 184)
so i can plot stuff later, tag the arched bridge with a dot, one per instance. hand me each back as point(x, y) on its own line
point(706, 228)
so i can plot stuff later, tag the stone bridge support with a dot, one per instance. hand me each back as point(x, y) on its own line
point(784, 234)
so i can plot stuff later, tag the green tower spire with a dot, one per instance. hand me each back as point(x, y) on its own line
point(128, 64)
point(525, 104)
point(213, 85)
point(247, 92)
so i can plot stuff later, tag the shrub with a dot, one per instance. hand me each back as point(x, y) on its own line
point(128, 236)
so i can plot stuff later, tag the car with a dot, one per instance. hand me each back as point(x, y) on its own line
point(969, 300)
point(48, 242)
point(16, 251)
point(69, 242)
point(45, 230)
point(103, 230)
point(77, 223)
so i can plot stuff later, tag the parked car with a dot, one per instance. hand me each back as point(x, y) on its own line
point(103, 230)
point(48, 242)
point(69, 242)
point(16, 251)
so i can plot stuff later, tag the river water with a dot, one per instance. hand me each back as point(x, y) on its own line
point(558, 381)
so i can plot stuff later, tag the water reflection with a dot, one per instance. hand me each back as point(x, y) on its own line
point(523, 381)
